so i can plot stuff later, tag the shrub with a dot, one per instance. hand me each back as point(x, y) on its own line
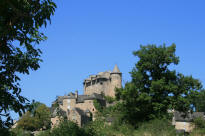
point(156, 127)
point(198, 132)
point(109, 99)
point(67, 128)
point(19, 132)
point(199, 129)
point(44, 133)
point(199, 122)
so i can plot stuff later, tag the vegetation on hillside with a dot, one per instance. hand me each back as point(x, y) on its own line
point(141, 106)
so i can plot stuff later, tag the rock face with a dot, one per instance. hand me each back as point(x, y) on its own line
point(80, 108)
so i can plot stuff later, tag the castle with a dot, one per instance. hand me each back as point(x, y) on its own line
point(80, 108)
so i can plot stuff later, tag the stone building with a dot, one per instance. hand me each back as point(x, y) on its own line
point(184, 122)
point(80, 108)
point(103, 82)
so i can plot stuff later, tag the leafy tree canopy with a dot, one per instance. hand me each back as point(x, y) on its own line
point(198, 101)
point(20, 21)
point(155, 87)
point(39, 120)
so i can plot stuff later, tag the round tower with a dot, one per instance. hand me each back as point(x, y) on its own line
point(116, 81)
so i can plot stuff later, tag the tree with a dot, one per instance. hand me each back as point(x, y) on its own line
point(39, 120)
point(198, 101)
point(33, 107)
point(20, 21)
point(27, 122)
point(43, 117)
point(155, 88)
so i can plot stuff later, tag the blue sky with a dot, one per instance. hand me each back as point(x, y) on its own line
point(89, 36)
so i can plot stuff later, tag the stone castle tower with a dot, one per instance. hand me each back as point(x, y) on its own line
point(103, 82)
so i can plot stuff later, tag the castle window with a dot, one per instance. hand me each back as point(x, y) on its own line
point(101, 83)
point(93, 109)
point(93, 82)
point(88, 84)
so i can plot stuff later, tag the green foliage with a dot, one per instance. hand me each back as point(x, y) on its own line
point(40, 119)
point(4, 132)
point(55, 105)
point(156, 128)
point(98, 106)
point(27, 122)
point(101, 128)
point(19, 132)
point(20, 21)
point(155, 88)
point(68, 128)
point(109, 99)
point(43, 115)
point(33, 106)
point(44, 133)
point(198, 100)
point(197, 132)
point(95, 128)
point(199, 123)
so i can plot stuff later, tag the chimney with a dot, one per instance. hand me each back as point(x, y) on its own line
point(76, 94)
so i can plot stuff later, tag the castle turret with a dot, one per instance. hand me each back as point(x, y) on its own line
point(116, 80)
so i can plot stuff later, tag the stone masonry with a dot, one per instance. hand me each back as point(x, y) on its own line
point(103, 82)
point(80, 108)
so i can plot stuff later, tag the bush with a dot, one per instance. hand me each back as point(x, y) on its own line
point(67, 128)
point(95, 128)
point(198, 132)
point(100, 128)
point(44, 133)
point(109, 99)
point(40, 119)
point(156, 127)
point(199, 129)
point(199, 123)
point(4, 132)
point(19, 132)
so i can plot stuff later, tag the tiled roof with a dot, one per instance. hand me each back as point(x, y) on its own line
point(116, 69)
point(81, 98)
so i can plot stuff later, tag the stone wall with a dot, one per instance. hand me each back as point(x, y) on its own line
point(187, 126)
point(98, 86)
point(75, 117)
point(68, 104)
point(55, 121)
point(87, 105)
point(105, 82)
